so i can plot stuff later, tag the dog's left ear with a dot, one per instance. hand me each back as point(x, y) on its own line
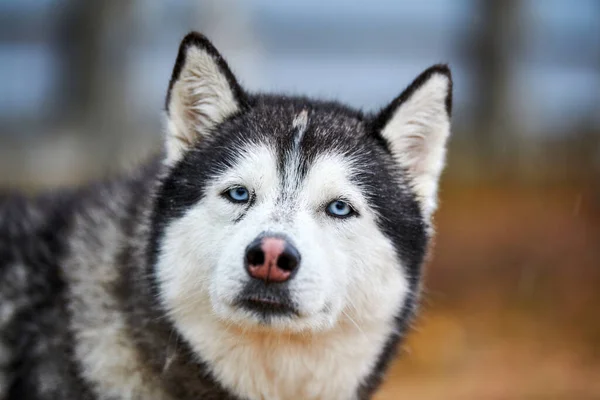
point(203, 93)
point(416, 126)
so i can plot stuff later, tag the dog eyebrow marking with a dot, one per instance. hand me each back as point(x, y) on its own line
point(299, 123)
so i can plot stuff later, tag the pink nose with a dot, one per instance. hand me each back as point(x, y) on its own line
point(271, 259)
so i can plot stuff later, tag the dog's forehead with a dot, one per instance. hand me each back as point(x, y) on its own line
point(298, 136)
point(307, 130)
point(299, 151)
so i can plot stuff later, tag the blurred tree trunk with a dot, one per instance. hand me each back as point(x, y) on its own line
point(493, 48)
point(79, 46)
point(92, 51)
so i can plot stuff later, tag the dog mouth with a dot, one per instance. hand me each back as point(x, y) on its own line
point(267, 301)
point(267, 307)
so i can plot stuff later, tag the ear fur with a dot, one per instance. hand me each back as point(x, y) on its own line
point(203, 92)
point(416, 126)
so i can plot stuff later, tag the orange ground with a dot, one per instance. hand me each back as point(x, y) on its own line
point(512, 302)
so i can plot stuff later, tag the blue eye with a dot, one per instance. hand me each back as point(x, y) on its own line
point(339, 209)
point(238, 194)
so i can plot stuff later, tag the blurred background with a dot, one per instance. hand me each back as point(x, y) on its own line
point(511, 308)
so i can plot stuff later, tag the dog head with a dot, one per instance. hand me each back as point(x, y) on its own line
point(291, 215)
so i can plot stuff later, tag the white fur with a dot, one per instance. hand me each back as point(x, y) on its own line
point(348, 289)
point(417, 133)
point(300, 123)
point(200, 99)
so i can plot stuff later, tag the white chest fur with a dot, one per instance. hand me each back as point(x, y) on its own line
point(261, 366)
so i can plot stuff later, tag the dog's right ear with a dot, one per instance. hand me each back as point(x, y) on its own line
point(203, 92)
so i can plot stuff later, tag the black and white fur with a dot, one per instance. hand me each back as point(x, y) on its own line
point(129, 289)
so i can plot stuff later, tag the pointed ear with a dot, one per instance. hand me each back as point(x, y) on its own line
point(202, 94)
point(416, 126)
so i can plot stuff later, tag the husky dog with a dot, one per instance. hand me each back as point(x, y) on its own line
point(272, 251)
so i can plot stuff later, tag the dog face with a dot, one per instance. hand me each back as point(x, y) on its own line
point(282, 214)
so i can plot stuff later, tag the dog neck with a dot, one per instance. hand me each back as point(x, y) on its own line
point(262, 364)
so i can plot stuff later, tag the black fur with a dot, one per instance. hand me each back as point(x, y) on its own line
point(33, 340)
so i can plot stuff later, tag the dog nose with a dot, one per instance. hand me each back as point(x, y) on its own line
point(271, 259)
